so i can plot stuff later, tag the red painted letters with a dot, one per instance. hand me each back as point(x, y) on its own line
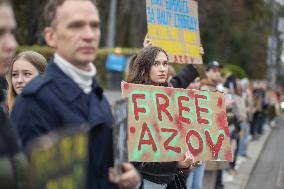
point(163, 107)
point(136, 109)
point(199, 109)
point(182, 108)
point(215, 148)
point(150, 141)
point(166, 144)
point(194, 151)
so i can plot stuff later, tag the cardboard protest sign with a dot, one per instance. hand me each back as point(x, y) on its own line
point(173, 25)
point(59, 159)
point(120, 134)
point(164, 123)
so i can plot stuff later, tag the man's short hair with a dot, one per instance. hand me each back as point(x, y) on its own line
point(51, 8)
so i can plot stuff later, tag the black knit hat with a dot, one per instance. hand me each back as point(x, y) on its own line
point(212, 65)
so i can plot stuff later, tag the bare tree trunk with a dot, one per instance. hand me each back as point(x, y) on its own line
point(103, 6)
point(138, 23)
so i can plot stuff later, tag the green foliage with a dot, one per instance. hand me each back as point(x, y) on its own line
point(29, 16)
point(236, 32)
point(46, 51)
point(234, 69)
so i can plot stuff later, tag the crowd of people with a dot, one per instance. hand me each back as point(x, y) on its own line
point(37, 97)
point(251, 108)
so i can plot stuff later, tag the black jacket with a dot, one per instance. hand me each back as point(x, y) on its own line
point(185, 77)
point(3, 86)
point(13, 162)
point(160, 173)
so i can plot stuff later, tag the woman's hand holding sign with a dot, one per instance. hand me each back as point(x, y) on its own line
point(129, 179)
point(187, 162)
point(147, 42)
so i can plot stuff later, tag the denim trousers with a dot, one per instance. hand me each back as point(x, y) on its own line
point(151, 185)
point(195, 178)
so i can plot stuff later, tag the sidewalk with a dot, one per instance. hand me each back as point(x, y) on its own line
point(246, 168)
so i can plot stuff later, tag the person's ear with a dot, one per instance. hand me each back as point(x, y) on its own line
point(50, 36)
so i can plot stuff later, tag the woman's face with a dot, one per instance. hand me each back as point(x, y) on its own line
point(22, 73)
point(159, 69)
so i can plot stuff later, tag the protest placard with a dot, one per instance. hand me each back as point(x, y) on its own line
point(59, 159)
point(173, 25)
point(120, 134)
point(164, 123)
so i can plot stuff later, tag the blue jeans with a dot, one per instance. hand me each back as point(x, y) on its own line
point(245, 139)
point(195, 178)
point(151, 185)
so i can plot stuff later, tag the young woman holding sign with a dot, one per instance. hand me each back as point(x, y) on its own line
point(150, 67)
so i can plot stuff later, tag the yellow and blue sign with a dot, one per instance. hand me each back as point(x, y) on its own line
point(173, 25)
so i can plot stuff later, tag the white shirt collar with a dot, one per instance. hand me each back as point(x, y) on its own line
point(83, 79)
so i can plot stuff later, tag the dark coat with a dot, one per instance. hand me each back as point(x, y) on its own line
point(184, 77)
point(3, 87)
point(13, 162)
point(53, 100)
point(158, 172)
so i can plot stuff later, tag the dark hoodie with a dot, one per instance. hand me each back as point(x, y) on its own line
point(3, 87)
point(13, 162)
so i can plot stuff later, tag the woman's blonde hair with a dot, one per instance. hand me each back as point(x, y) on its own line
point(36, 59)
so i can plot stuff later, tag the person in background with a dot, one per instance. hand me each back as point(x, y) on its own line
point(259, 116)
point(67, 93)
point(245, 119)
point(13, 162)
point(195, 177)
point(24, 67)
point(235, 115)
point(213, 169)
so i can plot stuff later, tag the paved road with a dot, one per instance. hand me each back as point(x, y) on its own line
point(269, 170)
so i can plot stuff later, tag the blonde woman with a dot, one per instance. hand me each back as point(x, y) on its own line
point(24, 67)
